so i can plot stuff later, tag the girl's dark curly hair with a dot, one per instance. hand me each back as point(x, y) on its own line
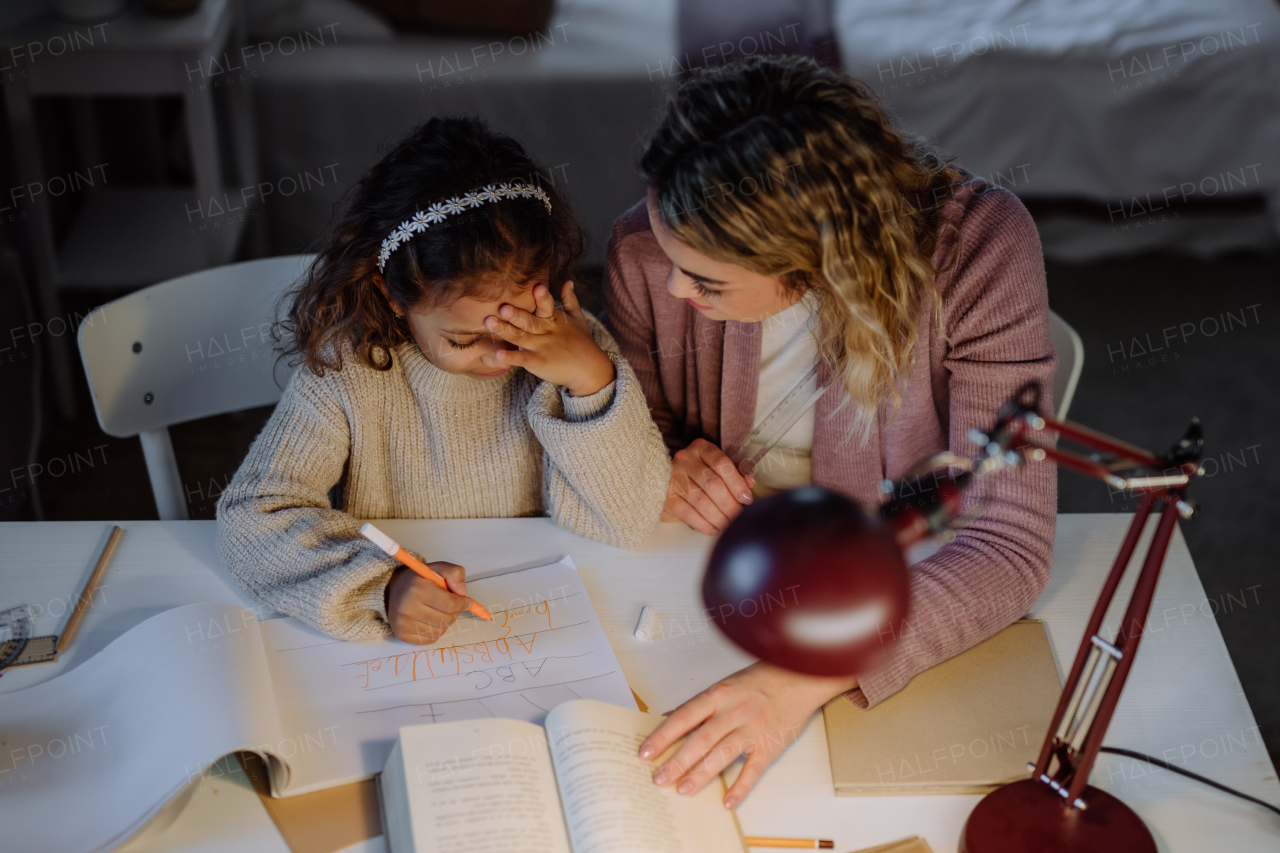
point(482, 252)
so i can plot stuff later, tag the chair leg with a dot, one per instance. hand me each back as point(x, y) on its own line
point(162, 468)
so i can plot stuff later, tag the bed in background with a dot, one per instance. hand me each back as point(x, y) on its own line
point(1097, 101)
point(1143, 108)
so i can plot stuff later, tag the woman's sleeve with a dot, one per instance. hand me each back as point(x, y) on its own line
point(277, 534)
point(628, 315)
point(605, 471)
point(996, 312)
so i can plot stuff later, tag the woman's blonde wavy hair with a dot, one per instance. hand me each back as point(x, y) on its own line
point(791, 170)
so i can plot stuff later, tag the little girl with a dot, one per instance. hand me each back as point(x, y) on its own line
point(439, 379)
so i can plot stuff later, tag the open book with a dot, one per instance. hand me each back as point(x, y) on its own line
point(172, 698)
point(573, 785)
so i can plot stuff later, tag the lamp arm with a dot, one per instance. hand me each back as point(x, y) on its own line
point(926, 504)
point(1101, 668)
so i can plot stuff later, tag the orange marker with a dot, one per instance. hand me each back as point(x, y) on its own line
point(386, 543)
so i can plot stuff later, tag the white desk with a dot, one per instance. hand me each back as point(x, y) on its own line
point(1183, 700)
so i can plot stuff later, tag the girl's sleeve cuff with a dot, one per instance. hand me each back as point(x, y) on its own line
point(578, 409)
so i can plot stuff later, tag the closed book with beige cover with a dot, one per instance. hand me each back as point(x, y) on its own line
point(968, 725)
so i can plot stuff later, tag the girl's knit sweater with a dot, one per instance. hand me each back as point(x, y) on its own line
point(417, 442)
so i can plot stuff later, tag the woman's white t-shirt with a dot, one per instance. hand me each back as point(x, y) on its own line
point(788, 350)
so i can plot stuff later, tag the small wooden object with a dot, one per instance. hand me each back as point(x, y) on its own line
point(90, 587)
point(45, 649)
point(914, 844)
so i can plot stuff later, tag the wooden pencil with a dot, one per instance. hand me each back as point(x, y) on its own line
point(794, 843)
point(90, 588)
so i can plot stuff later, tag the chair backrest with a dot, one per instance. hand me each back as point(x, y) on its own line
point(187, 348)
point(1070, 351)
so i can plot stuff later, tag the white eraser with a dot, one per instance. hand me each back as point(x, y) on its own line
point(377, 537)
point(644, 628)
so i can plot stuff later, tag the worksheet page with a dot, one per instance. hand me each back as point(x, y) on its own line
point(342, 703)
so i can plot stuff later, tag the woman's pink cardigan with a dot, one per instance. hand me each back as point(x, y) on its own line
point(700, 378)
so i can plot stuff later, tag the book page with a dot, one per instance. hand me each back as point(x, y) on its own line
point(545, 646)
point(610, 802)
point(89, 756)
point(484, 786)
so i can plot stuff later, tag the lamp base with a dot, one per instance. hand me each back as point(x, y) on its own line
point(1030, 817)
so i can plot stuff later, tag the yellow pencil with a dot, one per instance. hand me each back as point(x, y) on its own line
point(795, 843)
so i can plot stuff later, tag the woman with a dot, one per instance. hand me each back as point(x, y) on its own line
point(787, 223)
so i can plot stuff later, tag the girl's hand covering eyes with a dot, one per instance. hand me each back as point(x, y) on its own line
point(555, 344)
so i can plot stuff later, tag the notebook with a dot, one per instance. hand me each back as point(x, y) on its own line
point(968, 725)
point(573, 785)
point(172, 698)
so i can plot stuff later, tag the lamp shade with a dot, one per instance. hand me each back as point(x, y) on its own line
point(807, 580)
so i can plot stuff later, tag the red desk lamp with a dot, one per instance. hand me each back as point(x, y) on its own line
point(807, 581)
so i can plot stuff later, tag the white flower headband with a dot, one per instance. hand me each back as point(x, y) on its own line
point(438, 212)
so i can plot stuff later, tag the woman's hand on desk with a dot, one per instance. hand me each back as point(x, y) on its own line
point(419, 611)
point(755, 712)
point(706, 491)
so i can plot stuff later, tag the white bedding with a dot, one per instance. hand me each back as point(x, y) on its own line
point(1053, 105)
point(1100, 99)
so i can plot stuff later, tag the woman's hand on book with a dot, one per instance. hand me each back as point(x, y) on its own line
point(755, 712)
point(418, 611)
point(555, 344)
point(706, 491)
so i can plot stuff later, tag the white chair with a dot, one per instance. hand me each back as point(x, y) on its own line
point(1070, 350)
point(187, 348)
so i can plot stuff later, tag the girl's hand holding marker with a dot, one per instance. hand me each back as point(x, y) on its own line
point(555, 344)
point(424, 602)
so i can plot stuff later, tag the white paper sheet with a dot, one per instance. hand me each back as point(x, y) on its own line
point(342, 703)
point(88, 757)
